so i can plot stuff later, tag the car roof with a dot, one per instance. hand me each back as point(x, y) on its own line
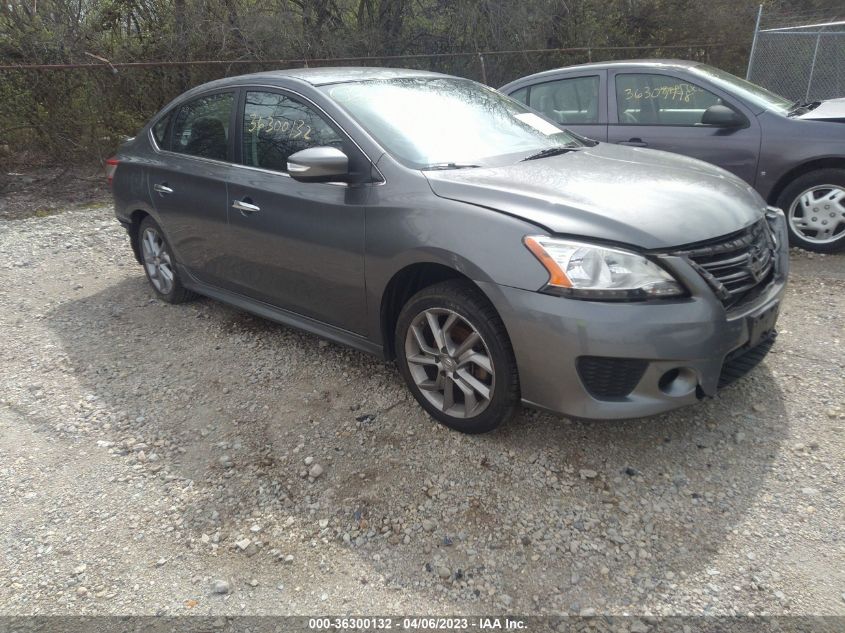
point(624, 63)
point(340, 74)
point(320, 76)
point(317, 76)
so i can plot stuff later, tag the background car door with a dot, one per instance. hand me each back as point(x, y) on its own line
point(188, 182)
point(298, 246)
point(575, 102)
point(663, 111)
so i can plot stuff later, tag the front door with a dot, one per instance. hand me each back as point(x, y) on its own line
point(297, 246)
point(662, 111)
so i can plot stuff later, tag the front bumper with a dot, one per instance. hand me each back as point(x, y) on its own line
point(684, 342)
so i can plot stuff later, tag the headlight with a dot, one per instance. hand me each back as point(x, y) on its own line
point(588, 271)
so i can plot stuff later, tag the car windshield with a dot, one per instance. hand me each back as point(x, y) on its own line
point(751, 92)
point(447, 122)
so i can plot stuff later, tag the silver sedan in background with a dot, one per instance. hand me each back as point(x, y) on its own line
point(793, 154)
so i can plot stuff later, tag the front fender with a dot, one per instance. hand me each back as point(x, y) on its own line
point(481, 244)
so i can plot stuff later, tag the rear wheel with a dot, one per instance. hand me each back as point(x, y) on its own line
point(455, 355)
point(815, 210)
point(159, 263)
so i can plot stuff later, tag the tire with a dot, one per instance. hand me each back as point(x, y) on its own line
point(159, 263)
point(465, 317)
point(810, 211)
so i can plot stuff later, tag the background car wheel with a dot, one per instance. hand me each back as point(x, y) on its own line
point(158, 262)
point(814, 205)
point(455, 355)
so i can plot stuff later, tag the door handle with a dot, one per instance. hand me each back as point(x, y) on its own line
point(634, 142)
point(245, 207)
point(162, 188)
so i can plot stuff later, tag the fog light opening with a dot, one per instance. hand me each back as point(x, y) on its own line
point(678, 381)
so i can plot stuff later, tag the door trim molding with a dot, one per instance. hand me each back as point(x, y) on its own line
point(279, 315)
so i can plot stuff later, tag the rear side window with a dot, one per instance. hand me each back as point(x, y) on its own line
point(160, 131)
point(276, 126)
point(201, 127)
point(520, 95)
point(568, 101)
point(649, 99)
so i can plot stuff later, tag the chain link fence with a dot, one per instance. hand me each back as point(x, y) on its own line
point(64, 112)
point(801, 61)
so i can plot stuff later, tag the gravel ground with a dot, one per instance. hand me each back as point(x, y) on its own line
point(195, 459)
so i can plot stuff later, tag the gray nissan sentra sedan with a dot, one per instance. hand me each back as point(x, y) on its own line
point(433, 220)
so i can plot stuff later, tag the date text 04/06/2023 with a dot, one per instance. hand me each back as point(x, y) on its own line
point(420, 623)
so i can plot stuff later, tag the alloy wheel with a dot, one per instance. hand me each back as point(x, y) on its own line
point(450, 362)
point(157, 261)
point(818, 214)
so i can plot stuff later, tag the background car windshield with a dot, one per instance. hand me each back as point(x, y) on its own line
point(429, 122)
point(750, 91)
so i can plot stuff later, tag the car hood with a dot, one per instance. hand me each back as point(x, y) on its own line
point(831, 109)
point(645, 198)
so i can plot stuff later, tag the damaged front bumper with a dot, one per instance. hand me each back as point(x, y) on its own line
point(591, 359)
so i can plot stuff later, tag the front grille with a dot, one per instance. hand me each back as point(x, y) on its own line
point(739, 266)
point(610, 378)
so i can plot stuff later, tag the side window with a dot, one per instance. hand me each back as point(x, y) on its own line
point(520, 95)
point(201, 127)
point(276, 126)
point(160, 131)
point(646, 99)
point(568, 101)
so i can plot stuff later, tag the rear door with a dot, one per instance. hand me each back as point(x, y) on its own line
point(297, 246)
point(664, 110)
point(576, 101)
point(188, 181)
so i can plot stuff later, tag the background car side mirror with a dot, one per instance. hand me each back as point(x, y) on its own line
point(319, 164)
point(722, 116)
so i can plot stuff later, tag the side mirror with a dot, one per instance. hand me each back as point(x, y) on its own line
point(319, 164)
point(722, 116)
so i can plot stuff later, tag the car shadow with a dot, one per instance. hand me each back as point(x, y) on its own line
point(232, 405)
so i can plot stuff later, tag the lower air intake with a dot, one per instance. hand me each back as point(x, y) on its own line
point(608, 378)
point(741, 361)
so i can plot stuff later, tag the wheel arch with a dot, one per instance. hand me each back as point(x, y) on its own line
point(404, 284)
point(829, 162)
point(135, 218)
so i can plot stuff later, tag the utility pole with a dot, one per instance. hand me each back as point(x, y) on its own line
point(754, 42)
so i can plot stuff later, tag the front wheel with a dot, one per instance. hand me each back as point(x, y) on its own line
point(815, 210)
point(456, 357)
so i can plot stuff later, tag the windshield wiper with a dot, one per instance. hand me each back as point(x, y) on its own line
point(551, 151)
point(802, 108)
point(434, 166)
